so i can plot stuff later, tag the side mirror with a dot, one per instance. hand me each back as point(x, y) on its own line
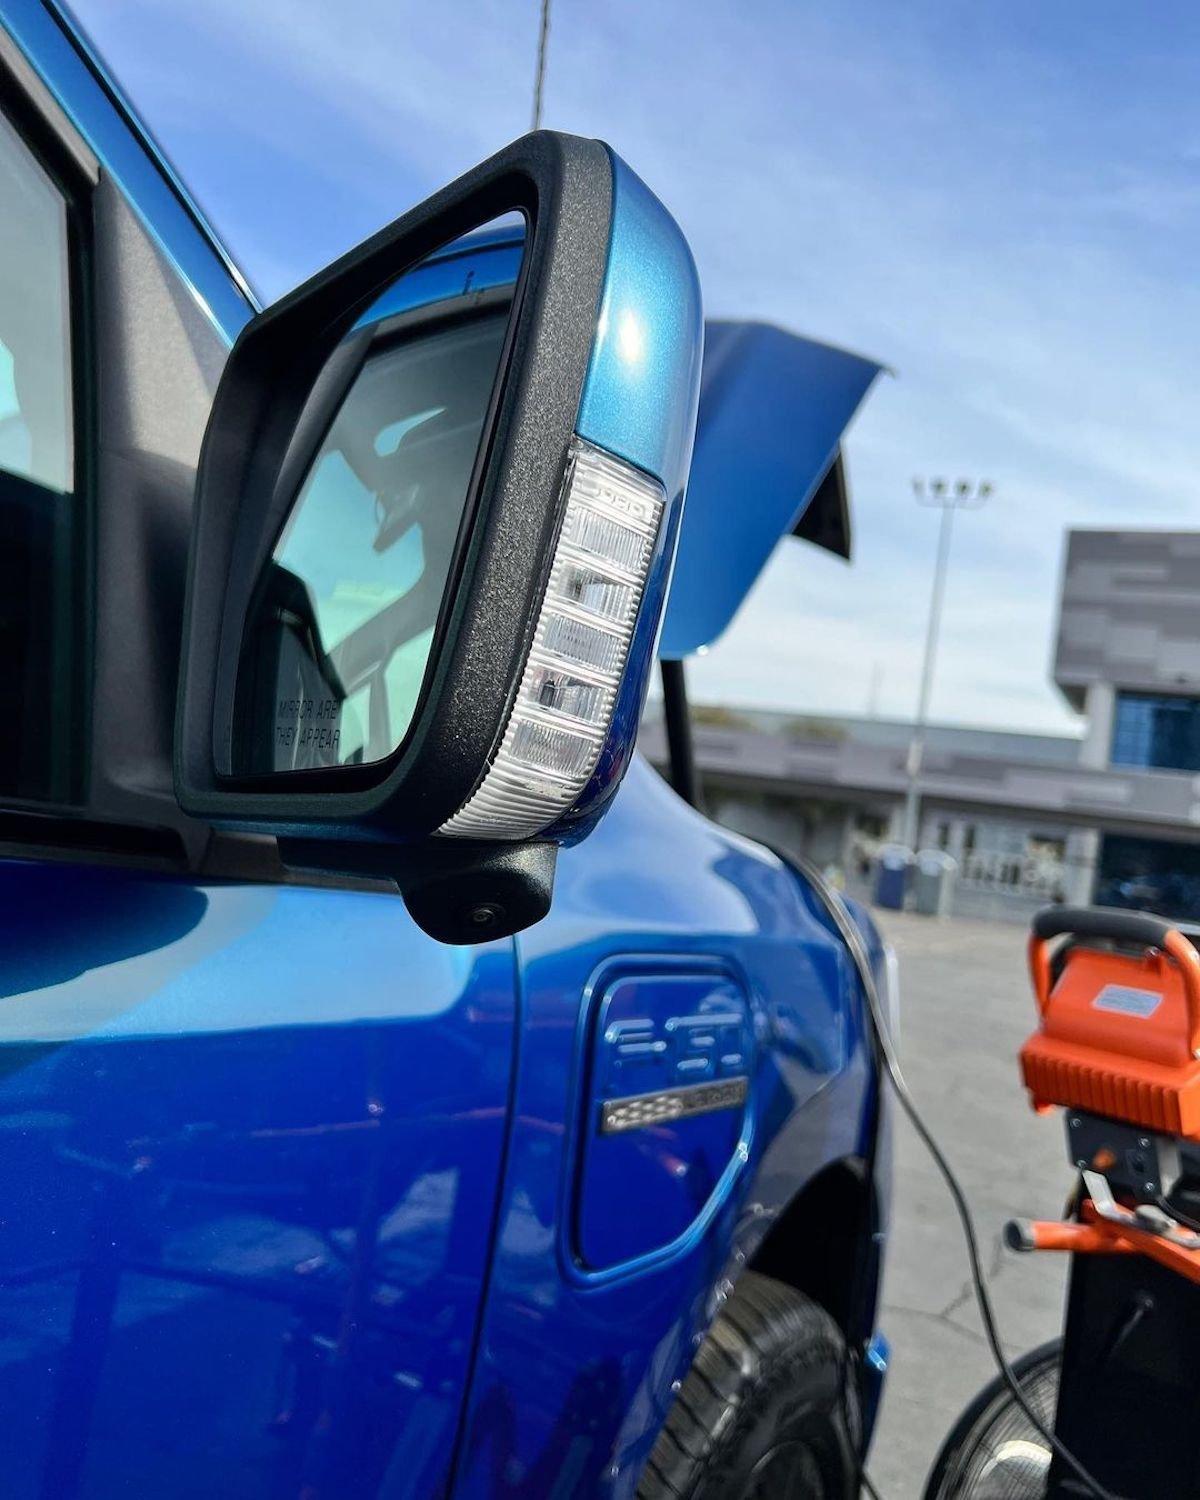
point(436, 513)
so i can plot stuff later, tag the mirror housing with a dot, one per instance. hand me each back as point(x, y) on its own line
point(592, 416)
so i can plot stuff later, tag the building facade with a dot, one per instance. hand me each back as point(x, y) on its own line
point(1128, 658)
point(1111, 815)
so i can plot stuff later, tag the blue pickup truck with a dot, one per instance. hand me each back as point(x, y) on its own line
point(403, 1091)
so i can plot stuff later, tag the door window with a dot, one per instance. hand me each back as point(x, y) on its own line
point(37, 477)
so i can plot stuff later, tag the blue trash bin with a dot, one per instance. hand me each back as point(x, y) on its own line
point(892, 867)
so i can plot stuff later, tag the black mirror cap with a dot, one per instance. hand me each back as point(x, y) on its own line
point(563, 185)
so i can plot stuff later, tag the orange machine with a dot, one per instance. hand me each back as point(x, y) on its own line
point(1117, 1050)
point(1120, 1031)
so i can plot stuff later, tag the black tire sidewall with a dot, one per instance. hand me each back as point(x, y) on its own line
point(804, 1399)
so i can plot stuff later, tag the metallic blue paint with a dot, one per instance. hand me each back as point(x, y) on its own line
point(251, 1141)
point(773, 408)
point(875, 1367)
point(476, 264)
point(655, 1026)
point(575, 1372)
point(639, 402)
point(639, 398)
point(290, 1189)
point(254, 1141)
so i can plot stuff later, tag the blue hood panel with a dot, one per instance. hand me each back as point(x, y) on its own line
point(773, 408)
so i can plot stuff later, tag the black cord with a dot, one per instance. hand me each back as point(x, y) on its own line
point(853, 939)
point(1177, 1213)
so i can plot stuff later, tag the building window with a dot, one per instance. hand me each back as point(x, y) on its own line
point(1156, 731)
point(1154, 875)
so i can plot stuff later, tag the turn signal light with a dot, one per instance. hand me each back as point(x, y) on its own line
point(563, 709)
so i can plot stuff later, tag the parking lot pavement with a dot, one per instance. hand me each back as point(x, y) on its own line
point(965, 1009)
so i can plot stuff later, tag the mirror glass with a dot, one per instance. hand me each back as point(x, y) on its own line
point(341, 627)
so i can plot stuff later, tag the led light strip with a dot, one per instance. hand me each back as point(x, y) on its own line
point(564, 705)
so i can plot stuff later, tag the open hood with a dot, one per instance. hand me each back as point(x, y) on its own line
point(767, 464)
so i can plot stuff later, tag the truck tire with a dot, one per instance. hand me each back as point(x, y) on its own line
point(767, 1411)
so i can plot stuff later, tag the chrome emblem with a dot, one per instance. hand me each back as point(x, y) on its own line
point(638, 1111)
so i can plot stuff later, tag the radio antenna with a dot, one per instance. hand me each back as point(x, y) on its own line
point(540, 77)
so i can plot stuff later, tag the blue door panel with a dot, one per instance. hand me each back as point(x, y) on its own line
point(576, 1362)
point(249, 1153)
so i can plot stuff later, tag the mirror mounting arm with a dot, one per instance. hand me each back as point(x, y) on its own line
point(456, 892)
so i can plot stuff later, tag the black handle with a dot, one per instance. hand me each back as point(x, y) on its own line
point(1102, 922)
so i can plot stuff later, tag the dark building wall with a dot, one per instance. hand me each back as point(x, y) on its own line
point(1129, 612)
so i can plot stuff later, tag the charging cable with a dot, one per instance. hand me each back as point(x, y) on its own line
point(839, 913)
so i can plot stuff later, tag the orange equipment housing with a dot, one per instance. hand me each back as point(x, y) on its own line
point(1120, 1031)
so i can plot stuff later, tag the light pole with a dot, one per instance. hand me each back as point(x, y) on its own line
point(963, 494)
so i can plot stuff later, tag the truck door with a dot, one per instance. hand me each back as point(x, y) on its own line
point(250, 1130)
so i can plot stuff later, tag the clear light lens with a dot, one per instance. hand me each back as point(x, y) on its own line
point(594, 590)
point(582, 644)
point(564, 704)
point(567, 693)
point(601, 536)
point(547, 748)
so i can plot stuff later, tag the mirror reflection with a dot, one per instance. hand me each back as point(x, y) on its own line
point(341, 627)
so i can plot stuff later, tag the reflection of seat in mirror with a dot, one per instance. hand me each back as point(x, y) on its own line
point(310, 698)
point(342, 625)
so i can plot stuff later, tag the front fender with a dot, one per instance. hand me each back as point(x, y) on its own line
point(576, 1367)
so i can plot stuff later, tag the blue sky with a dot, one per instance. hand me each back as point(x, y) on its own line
point(1000, 202)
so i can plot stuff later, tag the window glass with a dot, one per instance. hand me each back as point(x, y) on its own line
point(340, 634)
point(35, 382)
point(37, 522)
point(1155, 875)
point(1157, 731)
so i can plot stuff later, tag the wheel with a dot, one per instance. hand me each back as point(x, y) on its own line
point(993, 1452)
point(767, 1412)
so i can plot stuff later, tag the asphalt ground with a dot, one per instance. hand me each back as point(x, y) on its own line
point(965, 1009)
